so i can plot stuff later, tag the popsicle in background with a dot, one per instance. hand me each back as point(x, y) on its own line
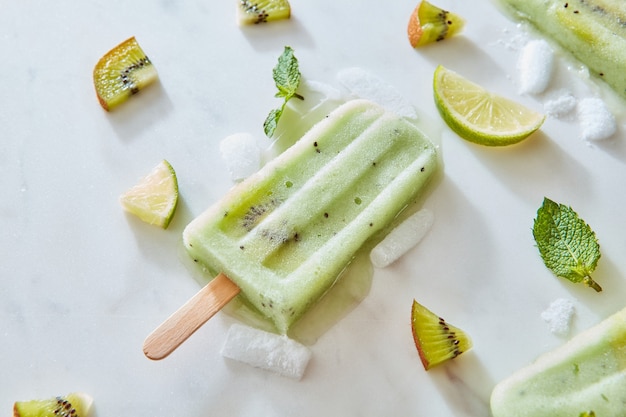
point(586, 374)
point(593, 31)
point(284, 235)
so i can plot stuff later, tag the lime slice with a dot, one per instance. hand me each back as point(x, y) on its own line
point(155, 196)
point(480, 116)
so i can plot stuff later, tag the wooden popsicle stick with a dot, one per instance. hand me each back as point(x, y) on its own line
point(188, 318)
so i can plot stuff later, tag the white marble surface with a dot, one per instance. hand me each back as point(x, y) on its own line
point(83, 283)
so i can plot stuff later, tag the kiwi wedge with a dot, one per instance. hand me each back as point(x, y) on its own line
point(429, 23)
point(252, 12)
point(122, 72)
point(435, 339)
point(76, 404)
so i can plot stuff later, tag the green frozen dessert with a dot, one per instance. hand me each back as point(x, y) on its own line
point(285, 234)
point(587, 374)
point(594, 31)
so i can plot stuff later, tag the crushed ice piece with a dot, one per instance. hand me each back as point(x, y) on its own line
point(560, 105)
point(558, 316)
point(401, 239)
point(326, 90)
point(242, 155)
point(265, 350)
point(535, 67)
point(364, 84)
point(316, 94)
point(513, 44)
point(596, 121)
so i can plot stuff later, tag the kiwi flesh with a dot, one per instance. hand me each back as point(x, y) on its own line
point(252, 12)
point(122, 72)
point(436, 340)
point(430, 23)
point(76, 404)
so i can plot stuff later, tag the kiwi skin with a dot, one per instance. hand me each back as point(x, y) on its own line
point(122, 72)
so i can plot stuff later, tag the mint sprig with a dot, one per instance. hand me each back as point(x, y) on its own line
point(287, 78)
point(567, 244)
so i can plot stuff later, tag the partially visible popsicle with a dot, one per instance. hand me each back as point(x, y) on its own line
point(286, 233)
point(586, 374)
point(592, 30)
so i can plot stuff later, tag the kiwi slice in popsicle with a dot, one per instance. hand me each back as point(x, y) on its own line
point(435, 339)
point(122, 72)
point(76, 404)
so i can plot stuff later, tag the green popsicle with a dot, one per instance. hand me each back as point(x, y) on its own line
point(594, 31)
point(285, 234)
point(588, 373)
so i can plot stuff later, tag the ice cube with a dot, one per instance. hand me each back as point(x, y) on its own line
point(535, 66)
point(242, 155)
point(596, 120)
point(558, 316)
point(364, 84)
point(265, 350)
point(401, 239)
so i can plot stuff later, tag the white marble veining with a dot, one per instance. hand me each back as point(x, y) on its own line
point(83, 283)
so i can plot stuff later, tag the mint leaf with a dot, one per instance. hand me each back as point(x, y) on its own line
point(566, 243)
point(272, 121)
point(287, 78)
point(287, 74)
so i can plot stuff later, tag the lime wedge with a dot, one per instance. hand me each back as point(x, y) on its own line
point(154, 198)
point(480, 116)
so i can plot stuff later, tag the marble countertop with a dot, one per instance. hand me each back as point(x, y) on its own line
point(83, 283)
